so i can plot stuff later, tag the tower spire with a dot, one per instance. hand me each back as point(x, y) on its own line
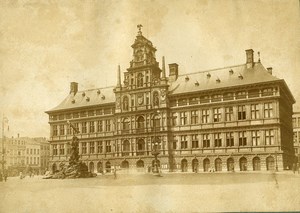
point(119, 76)
point(163, 68)
point(139, 26)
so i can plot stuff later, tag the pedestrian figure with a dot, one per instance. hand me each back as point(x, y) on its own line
point(21, 175)
point(298, 167)
point(294, 168)
point(115, 173)
point(5, 177)
point(1, 177)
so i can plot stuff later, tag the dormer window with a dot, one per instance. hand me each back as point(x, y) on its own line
point(83, 94)
point(73, 101)
point(230, 71)
point(218, 80)
point(98, 91)
point(241, 77)
point(196, 83)
point(187, 78)
point(102, 97)
point(208, 75)
point(87, 99)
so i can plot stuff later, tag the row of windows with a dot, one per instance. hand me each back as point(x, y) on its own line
point(224, 97)
point(94, 147)
point(33, 151)
point(225, 140)
point(102, 125)
point(219, 114)
point(33, 160)
point(82, 114)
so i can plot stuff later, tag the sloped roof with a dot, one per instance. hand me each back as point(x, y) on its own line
point(221, 78)
point(91, 97)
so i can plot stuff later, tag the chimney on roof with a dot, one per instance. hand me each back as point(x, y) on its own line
point(173, 72)
point(270, 69)
point(18, 135)
point(73, 88)
point(249, 58)
point(163, 68)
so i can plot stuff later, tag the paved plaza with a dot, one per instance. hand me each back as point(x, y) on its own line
point(201, 192)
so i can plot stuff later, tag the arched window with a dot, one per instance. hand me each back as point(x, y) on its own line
point(184, 165)
point(125, 164)
point(256, 164)
point(243, 164)
point(195, 165)
point(270, 163)
point(91, 167)
point(126, 124)
point(141, 145)
point(125, 103)
point(230, 164)
point(155, 99)
point(140, 164)
point(140, 80)
point(126, 148)
point(140, 122)
point(218, 165)
point(206, 165)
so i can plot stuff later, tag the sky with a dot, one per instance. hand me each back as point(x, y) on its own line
point(46, 44)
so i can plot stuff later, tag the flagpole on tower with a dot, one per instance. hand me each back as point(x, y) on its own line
point(4, 120)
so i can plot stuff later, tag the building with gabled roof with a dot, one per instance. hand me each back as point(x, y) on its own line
point(233, 118)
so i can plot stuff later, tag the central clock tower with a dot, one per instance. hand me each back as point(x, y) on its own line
point(141, 101)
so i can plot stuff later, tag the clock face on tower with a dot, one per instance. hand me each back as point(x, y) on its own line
point(140, 98)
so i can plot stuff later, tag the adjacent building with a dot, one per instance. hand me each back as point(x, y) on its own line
point(24, 154)
point(296, 133)
point(232, 118)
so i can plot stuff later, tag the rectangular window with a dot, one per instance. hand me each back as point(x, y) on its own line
point(184, 142)
point(99, 112)
point(253, 93)
point(68, 116)
point(194, 117)
point(267, 92)
point(83, 114)
point(241, 95)
point(204, 99)
point(269, 137)
point(92, 126)
point(76, 125)
point(228, 96)
point(83, 148)
point(54, 150)
point(91, 113)
point(99, 147)
point(92, 147)
point(61, 116)
point(206, 141)
point(173, 103)
point(174, 142)
point(75, 115)
point(295, 137)
point(229, 139)
point(217, 114)
point(241, 112)
point(183, 118)
point(69, 130)
point(294, 122)
point(83, 127)
point(107, 125)
point(242, 138)
point(55, 130)
point(218, 139)
point(99, 126)
point(61, 149)
point(108, 146)
point(107, 111)
point(182, 102)
point(61, 129)
point(174, 119)
point(268, 110)
point(254, 111)
point(216, 98)
point(228, 113)
point(205, 116)
point(194, 100)
point(255, 138)
point(195, 142)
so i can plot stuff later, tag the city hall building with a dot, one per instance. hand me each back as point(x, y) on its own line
point(233, 118)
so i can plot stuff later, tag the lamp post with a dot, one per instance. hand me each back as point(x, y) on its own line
point(155, 151)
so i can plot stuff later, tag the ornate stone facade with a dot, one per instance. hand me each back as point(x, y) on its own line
point(234, 118)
